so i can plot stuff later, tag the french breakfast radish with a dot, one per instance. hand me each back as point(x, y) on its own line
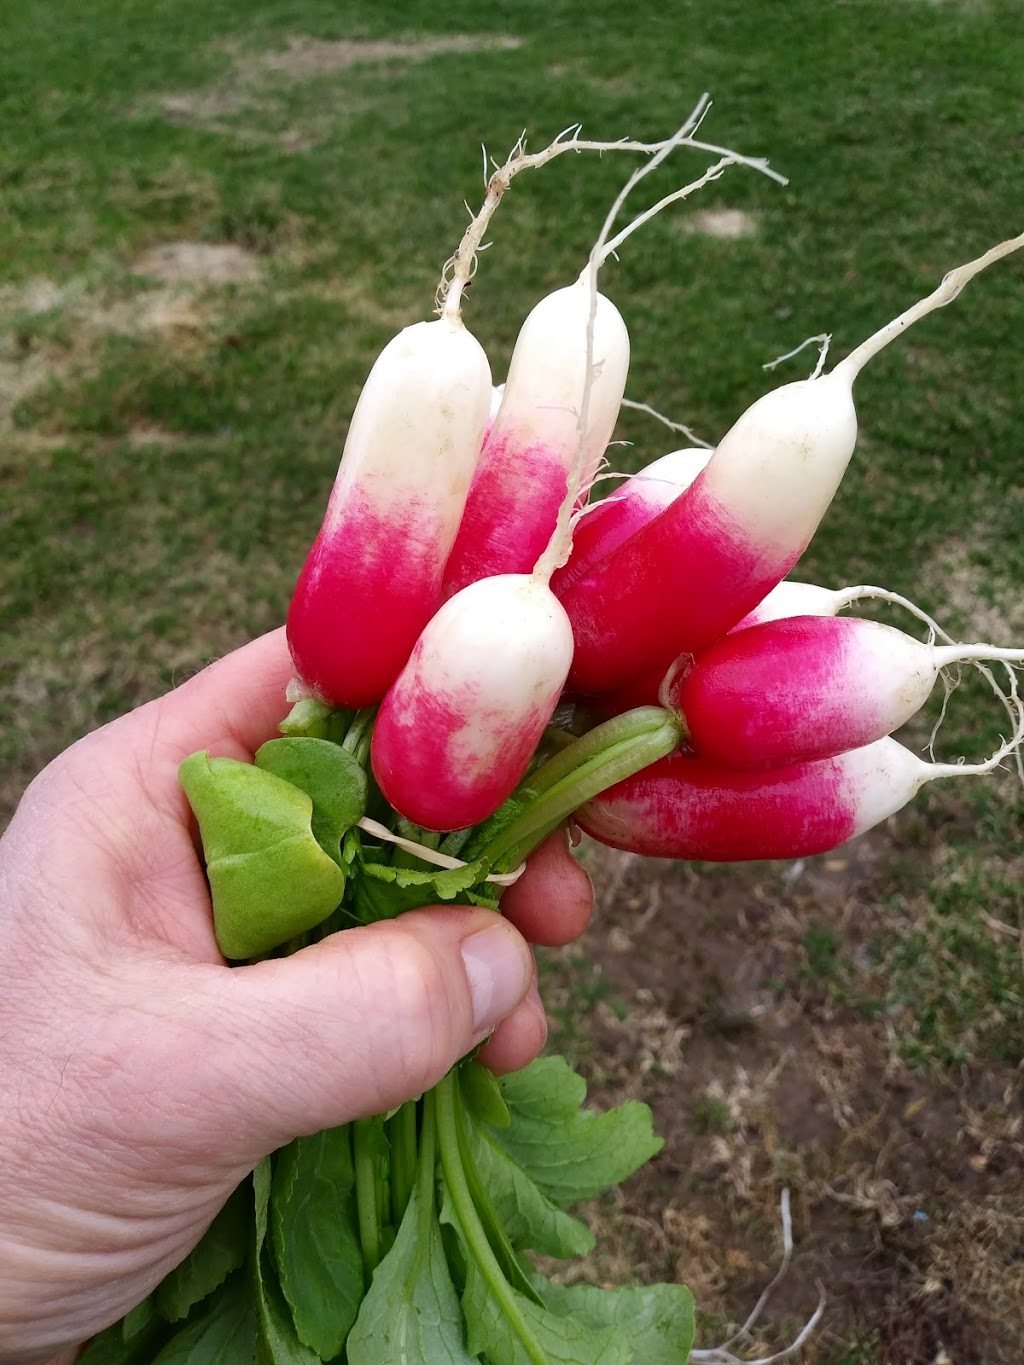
point(372, 579)
point(809, 687)
point(520, 482)
point(686, 807)
point(456, 732)
point(788, 598)
point(692, 573)
point(605, 525)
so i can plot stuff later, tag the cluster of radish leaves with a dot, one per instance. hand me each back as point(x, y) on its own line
point(403, 1238)
point(281, 1274)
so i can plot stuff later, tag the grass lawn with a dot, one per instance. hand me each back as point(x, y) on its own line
point(212, 217)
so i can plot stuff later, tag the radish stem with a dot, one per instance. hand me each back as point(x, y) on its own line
point(445, 1098)
point(366, 1195)
point(403, 1158)
point(605, 755)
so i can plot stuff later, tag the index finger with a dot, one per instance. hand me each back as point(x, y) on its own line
point(230, 708)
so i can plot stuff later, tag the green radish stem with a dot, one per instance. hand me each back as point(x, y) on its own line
point(445, 1100)
point(605, 755)
point(402, 1132)
point(366, 1195)
point(357, 737)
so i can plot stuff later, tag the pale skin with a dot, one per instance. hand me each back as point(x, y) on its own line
point(141, 1078)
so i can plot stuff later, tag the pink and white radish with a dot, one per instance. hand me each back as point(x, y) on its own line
point(521, 479)
point(793, 598)
point(456, 732)
point(788, 598)
point(372, 579)
point(685, 807)
point(806, 688)
point(605, 525)
point(715, 553)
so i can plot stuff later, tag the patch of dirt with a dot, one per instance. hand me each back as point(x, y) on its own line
point(154, 436)
point(19, 375)
point(727, 224)
point(178, 310)
point(970, 592)
point(305, 58)
point(711, 994)
point(198, 263)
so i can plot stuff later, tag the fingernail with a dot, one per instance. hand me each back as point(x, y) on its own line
point(499, 974)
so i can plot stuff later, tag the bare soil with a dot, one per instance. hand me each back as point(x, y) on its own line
point(727, 224)
point(701, 991)
point(304, 58)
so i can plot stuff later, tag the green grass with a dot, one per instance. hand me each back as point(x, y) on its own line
point(710, 1115)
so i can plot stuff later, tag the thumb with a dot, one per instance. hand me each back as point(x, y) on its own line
point(360, 1022)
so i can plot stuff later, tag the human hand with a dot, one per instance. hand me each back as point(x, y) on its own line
point(140, 1077)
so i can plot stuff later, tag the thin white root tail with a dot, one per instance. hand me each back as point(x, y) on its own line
point(459, 270)
point(723, 1354)
point(1009, 701)
point(823, 340)
point(1009, 748)
point(667, 422)
point(431, 855)
point(950, 287)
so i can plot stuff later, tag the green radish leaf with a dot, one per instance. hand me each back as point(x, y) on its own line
point(438, 883)
point(571, 1153)
point(373, 900)
point(142, 1316)
point(113, 1347)
point(262, 1183)
point(223, 1334)
point(382, 890)
point(482, 1095)
point(529, 1218)
point(513, 1330)
point(411, 1312)
point(330, 776)
point(658, 1318)
point(269, 878)
point(315, 1237)
point(276, 1342)
point(221, 1250)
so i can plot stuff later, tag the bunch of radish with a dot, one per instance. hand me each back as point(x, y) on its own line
point(481, 654)
point(461, 585)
